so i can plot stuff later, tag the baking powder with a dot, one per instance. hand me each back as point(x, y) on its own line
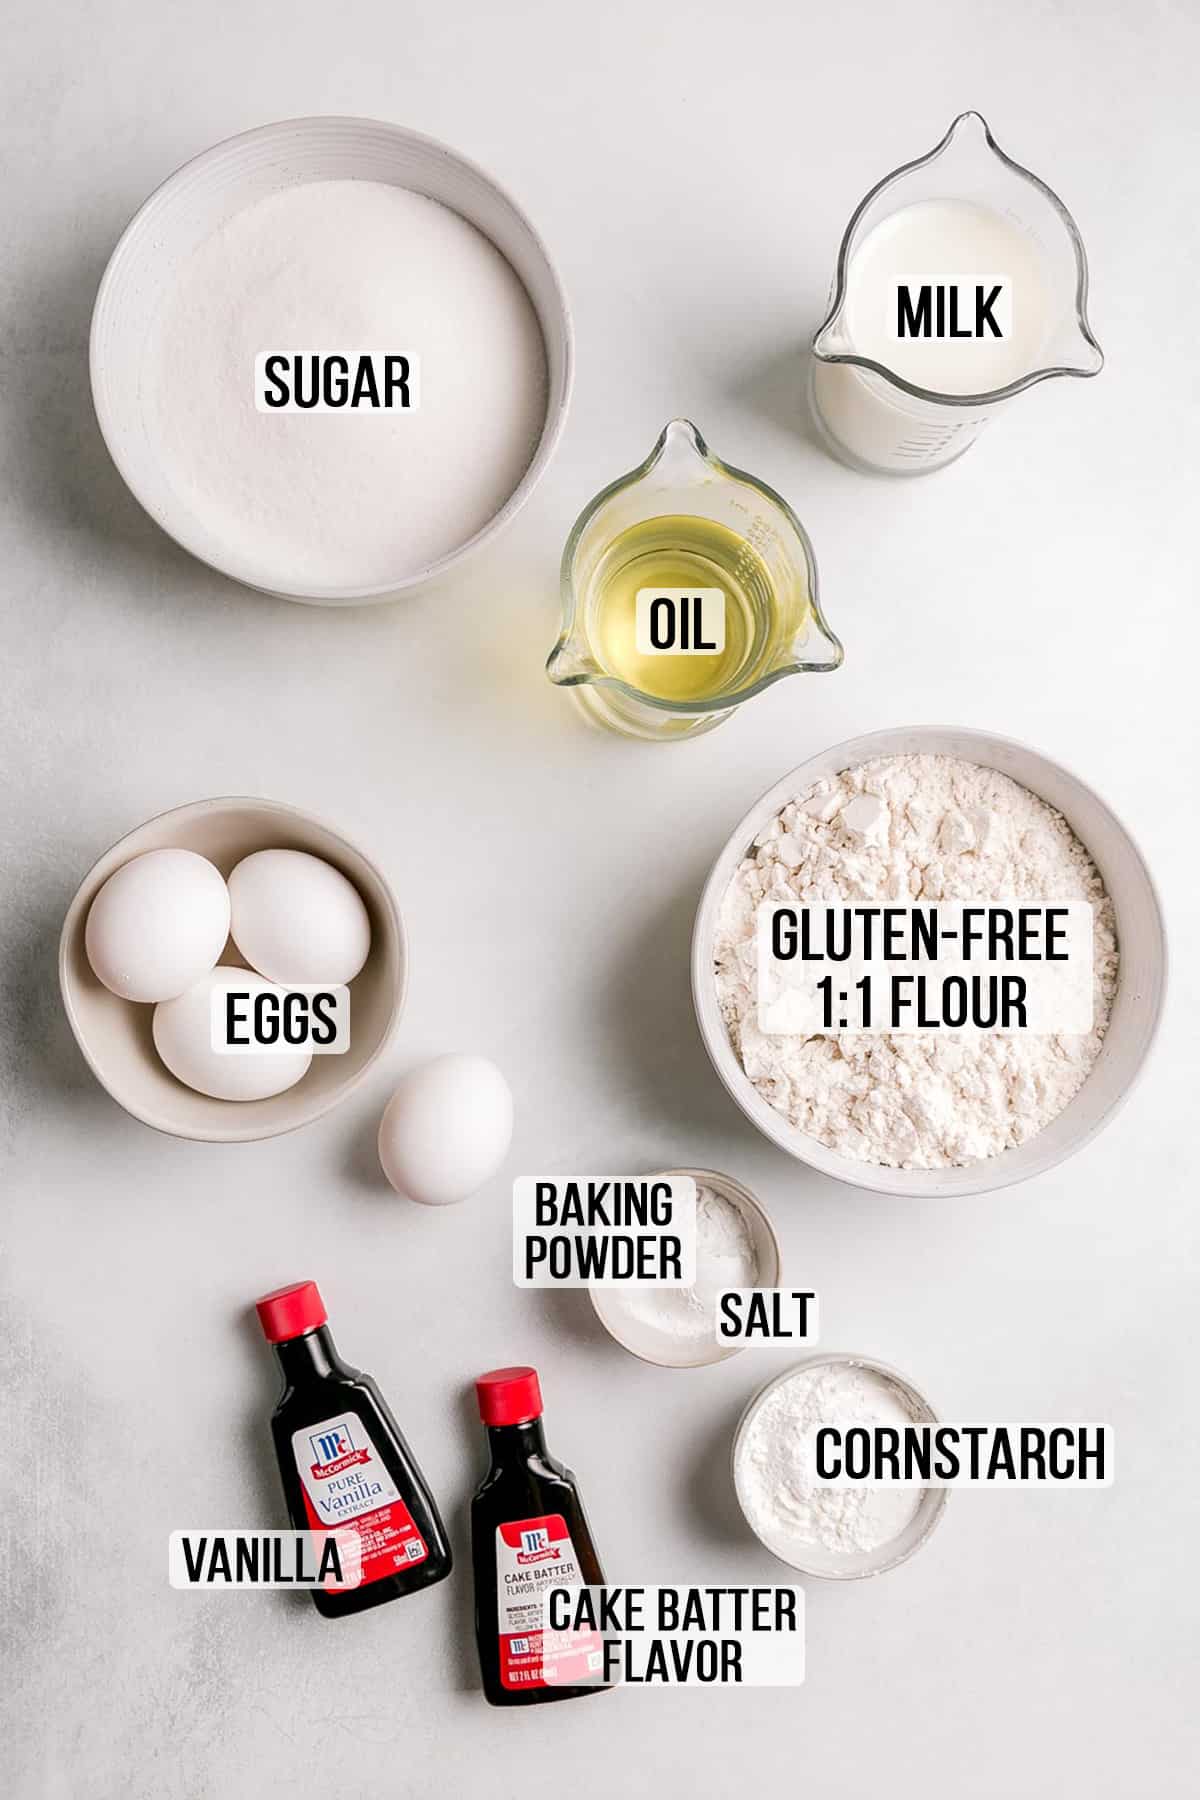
point(725, 1258)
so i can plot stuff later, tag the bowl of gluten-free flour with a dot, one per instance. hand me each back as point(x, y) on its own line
point(906, 816)
point(331, 357)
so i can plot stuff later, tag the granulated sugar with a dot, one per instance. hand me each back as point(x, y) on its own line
point(346, 499)
point(908, 829)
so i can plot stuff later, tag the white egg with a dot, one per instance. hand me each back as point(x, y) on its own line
point(297, 919)
point(446, 1129)
point(159, 922)
point(183, 1038)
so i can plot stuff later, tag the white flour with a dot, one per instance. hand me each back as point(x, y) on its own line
point(905, 829)
point(344, 267)
point(725, 1258)
point(776, 1479)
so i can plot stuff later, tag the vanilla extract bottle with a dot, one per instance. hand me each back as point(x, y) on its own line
point(344, 1462)
point(529, 1533)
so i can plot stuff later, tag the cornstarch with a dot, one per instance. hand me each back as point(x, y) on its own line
point(776, 1476)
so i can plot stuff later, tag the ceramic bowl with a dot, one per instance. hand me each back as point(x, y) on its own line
point(1136, 1009)
point(815, 1559)
point(203, 195)
point(641, 1338)
point(115, 1034)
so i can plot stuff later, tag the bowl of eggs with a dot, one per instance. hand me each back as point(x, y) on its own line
point(248, 890)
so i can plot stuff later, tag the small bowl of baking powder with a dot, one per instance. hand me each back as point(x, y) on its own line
point(736, 1247)
point(837, 1533)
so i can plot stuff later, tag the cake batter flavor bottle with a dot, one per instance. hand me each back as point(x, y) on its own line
point(528, 1534)
point(344, 1463)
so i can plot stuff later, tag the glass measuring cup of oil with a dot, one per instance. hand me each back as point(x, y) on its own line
point(687, 588)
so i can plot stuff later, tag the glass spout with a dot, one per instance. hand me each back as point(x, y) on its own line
point(814, 649)
point(680, 458)
point(569, 663)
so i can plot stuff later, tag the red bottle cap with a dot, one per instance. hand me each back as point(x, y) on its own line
point(509, 1396)
point(288, 1312)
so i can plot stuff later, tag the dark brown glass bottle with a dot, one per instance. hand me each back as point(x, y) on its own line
point(528, 1533)
point(344, 1461)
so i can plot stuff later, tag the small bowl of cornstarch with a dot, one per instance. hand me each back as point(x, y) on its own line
point(791, 1490)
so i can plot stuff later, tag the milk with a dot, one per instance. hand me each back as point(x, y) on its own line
point(939, 245)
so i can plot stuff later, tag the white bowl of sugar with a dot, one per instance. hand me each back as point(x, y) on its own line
point(335, 241)
point(1136, 1005)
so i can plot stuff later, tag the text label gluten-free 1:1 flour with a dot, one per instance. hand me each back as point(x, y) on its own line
point(1006, 966)
point(603, 1232)
point(370, 382)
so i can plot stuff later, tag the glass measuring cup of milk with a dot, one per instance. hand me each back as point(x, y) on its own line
point(911, 361)
point(687, 588)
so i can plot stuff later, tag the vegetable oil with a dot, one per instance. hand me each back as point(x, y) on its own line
point(684, 554)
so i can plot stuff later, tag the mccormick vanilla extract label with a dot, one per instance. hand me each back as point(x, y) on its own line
point(532, 1556)
point(346, 1483)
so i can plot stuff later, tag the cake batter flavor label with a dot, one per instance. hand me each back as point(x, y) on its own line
point(289, 381)
point(961, 1455)
point(347, 1484)
point(239, 1559)
point(764, 1315)
point(600, 1232)
point(1002, 966)
point(679, 621)
point(253, 1021)
point(684, 1636)
point(950, 309)
point(532, 1556)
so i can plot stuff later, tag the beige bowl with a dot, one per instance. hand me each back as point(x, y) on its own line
point(115, 1034)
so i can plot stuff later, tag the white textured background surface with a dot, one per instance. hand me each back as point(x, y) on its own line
point(692, 166)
